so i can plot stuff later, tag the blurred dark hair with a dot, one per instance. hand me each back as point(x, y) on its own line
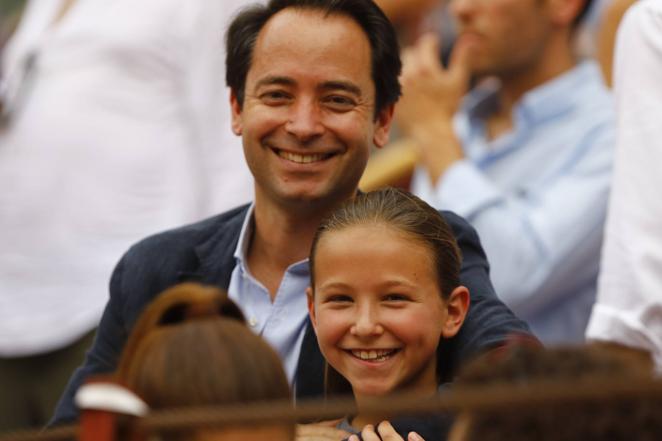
point(583, 12)
point(617, 418)
point(385, 52)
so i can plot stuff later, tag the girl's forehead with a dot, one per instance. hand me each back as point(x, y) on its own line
point(375, 230)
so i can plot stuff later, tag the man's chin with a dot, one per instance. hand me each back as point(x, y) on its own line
point(313, 195)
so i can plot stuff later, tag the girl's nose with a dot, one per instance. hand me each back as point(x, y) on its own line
point(367, 323)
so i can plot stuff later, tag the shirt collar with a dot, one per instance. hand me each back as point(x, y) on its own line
point(241, 251)
point(547, 100)
point(245, 236)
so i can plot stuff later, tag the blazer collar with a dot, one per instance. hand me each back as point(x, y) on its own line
point(215, 254)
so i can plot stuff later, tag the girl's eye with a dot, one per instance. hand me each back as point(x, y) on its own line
point(396, 298)
point(338, 299)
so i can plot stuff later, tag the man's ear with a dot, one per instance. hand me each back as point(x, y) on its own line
point(237, 124)
point(383, 126)
point(311, 306)
point(457, 307)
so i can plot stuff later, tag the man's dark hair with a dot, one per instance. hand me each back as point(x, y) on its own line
point(385, 52)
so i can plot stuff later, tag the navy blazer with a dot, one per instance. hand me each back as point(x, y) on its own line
point(204, 252)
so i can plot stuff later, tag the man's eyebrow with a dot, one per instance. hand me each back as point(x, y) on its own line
point(275, 79)
point(341, 85)
point(327, 85)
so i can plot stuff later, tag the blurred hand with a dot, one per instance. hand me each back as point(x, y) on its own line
point(385, 432)
point(430, 91)
point(431, 96)
point(323, 431)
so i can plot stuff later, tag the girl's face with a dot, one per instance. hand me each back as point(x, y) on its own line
point(377, 309)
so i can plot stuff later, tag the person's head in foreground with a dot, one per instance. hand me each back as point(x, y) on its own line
point(522, 369)
point(191, 348)
point(313, 86)
point(384, 292)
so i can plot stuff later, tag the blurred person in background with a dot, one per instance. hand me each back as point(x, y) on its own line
point(534, 372)
point(412, 17)
point(525, 157)
point(115, 124)
point(628, 310)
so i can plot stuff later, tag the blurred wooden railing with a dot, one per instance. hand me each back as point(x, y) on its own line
point(391, 166)
point(483, 398)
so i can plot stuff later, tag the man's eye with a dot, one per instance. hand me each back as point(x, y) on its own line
point(339, 102)
point(274, 97)
point(396, 298)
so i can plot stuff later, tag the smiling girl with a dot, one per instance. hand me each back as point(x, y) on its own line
point(384, 292)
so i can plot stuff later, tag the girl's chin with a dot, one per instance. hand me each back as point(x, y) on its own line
point(367, 392)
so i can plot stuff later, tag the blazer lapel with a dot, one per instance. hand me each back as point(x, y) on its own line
point(216, 254)
point(310, 369)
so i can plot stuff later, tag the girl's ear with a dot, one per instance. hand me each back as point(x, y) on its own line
point(457, 307)
point(311, 306)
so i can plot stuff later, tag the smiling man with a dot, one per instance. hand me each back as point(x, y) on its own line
point(314, 83)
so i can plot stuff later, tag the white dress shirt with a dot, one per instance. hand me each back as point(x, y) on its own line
point(629, 304)
point(281, 322)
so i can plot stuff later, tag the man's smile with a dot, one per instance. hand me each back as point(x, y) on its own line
point(302, 158)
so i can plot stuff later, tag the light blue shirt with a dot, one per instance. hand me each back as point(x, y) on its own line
point(281, 323)
point(537, 196)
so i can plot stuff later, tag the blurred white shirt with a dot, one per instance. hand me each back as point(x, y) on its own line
point(123, 130)
point(629, 304)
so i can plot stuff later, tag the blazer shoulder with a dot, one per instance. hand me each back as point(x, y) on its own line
point(460, 226)
point(182, 241)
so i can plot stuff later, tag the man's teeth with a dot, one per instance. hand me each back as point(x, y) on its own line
point(300, 159)
point(374, 355)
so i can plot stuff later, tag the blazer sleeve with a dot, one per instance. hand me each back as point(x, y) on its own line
point(104, 354)
point(489, 322)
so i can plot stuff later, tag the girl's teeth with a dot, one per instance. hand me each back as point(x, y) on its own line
point(373, 355)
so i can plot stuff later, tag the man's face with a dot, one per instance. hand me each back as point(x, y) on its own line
point(506, 37)
point(307, 120)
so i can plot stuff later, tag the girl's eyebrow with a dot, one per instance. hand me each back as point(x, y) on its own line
point(396, 283)
point(334, 285)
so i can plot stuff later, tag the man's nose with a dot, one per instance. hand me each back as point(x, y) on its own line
point(367, 323)
point(304, 120)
